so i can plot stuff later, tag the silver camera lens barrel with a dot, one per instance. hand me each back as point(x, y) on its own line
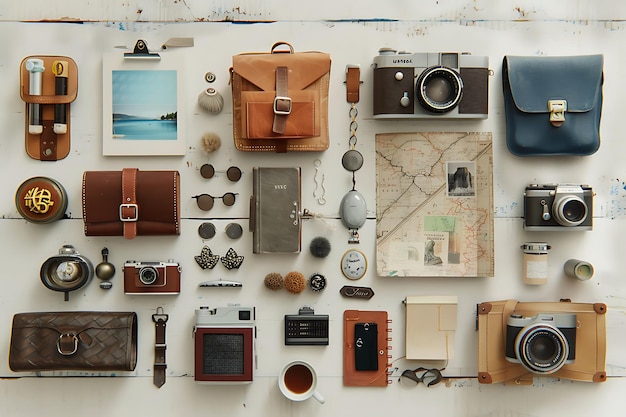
point(541, 348)
point(439, 89)
point(570, 210)
point(148, 275)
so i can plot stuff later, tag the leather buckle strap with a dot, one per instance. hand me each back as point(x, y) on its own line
point(67, 344)
point(160, 364)
point(353, 83)
point(129, 210)
point(282, 102)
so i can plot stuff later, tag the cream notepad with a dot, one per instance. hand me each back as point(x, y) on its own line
point(430, 327)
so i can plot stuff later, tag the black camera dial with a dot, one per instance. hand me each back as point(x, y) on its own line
point(439, 89)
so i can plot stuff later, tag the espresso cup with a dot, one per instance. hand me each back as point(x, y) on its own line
point(298, 381)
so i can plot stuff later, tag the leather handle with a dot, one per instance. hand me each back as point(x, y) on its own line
point(280, 43)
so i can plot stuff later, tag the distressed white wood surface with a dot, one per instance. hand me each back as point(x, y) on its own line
point(484, 28)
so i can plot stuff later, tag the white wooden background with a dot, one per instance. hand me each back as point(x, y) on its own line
point(352, 32)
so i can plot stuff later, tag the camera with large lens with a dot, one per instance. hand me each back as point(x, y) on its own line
point(558, 207)
point(151, 277)
point(542, 343)
point(430, 85)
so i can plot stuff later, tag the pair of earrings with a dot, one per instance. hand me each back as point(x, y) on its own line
point(207, 260)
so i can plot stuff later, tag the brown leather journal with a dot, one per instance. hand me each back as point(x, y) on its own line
point(588, 348)
point(280, 100)
point(131, 202)
point(58, 88)
point(75, 340)
point(353, 374)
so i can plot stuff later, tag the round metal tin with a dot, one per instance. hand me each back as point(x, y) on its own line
point(41, 200)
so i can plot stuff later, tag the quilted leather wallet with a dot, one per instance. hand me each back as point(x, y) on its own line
point(75, 340)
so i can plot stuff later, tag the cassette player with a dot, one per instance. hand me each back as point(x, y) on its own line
point(306, 328)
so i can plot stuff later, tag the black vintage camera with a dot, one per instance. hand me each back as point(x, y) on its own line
point(558, 207)
point(427, 85)
point(151, 277)
point(542, 343)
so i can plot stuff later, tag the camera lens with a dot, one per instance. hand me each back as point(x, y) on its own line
point(570, 211)
point(148, 275)
point(439, 89)
point(541, 348)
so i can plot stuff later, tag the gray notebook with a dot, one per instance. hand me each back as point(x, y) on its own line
point(275, 210)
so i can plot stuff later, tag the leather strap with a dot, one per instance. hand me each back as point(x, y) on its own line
point(353, 83)
point(282, 101)
point(129, 210)
point(47, 142)
point(160, 364)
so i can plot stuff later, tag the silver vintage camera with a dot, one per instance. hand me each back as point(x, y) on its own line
point(224, 345)
point(558, 207)
point(151, 277)
point(542, 343)
point(429, 85)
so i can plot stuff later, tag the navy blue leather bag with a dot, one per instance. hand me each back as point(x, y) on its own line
point(552, 104)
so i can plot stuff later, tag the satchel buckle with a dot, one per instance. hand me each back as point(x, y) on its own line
point(279, 105)
point(65, 348)
point(126, 218)
point(557, 110)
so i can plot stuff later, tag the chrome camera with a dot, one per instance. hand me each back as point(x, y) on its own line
point(542, 343)
point(429, 85)
point(558, 207)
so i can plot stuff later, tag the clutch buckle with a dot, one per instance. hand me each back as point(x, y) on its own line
point(62, 344)
point(557, 110)
point(279, 105)
point(132, 218)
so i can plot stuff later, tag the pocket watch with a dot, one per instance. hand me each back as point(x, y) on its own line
point(353, 264)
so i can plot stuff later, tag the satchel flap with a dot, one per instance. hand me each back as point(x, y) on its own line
point(304, 68)
point(534, 81)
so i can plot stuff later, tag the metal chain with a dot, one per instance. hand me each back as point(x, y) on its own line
point(353, 113)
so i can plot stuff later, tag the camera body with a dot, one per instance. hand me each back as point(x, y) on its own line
point(224, 345)
point(152, 277)
point(563, 207)
point(430, 85)
point(542, 343)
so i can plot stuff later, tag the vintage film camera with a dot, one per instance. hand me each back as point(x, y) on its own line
point(224, 345)
point(558, 207)
point(430, 85)
point(519, 341)
point(152, 277)
point(542, 343)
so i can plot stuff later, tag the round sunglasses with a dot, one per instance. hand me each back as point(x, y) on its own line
point(428, 377)
point(206, 201)
point(208, 171)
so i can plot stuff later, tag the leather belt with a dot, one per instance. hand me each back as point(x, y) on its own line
point(160, 364)
point(129, 210)
point(282, 101)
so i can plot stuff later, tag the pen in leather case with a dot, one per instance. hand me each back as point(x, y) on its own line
point(59, 68)
point(35, 68)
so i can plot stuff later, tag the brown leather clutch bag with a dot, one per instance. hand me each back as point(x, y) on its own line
point(131, 202)
point(75, 340)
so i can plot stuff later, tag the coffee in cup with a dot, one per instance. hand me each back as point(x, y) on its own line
point(298, 382)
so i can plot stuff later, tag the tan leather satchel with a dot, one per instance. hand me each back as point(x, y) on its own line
point(74, 340)
point(280, 100)
point(587, 348)
point(131, 203)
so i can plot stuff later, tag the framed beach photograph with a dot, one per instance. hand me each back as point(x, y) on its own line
point(141, 107)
